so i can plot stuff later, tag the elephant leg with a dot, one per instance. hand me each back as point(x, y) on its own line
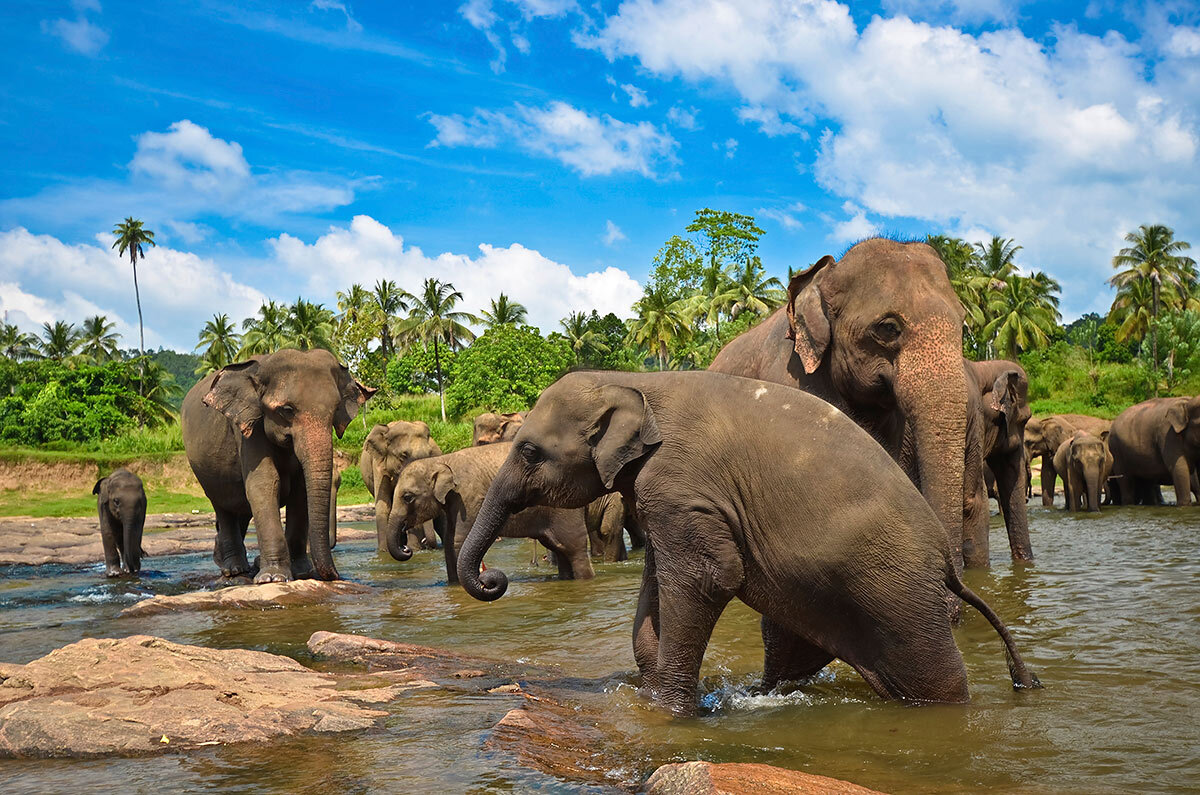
point(687, 616)
point(109, 531)
point(1049, 475)
point(976, 554)
point(337, 484)
point(645, 620)
point(787, 657)
point(262, 490)
point(229, 552)
point(296, 530)
point(1010, 491)
point(580, 561)
point(1181, 477)
point(450, 544)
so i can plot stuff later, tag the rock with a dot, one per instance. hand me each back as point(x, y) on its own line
point(404, 661)
point(509, 688)
point(241, 597)
point(707, 778)
point(143, 694)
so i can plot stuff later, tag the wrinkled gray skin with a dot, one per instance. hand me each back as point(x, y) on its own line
point(1085, 463)
point(999, 403)
point(491, 428)
point(1156, 442)
point(736, 503)
point(121, 504)
point(259, 436)
point(1043, 437)
point(453, 486)
point(386, 451)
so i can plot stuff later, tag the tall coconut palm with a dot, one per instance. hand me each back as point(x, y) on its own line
point(59, 341)
point(16, 344)
point(1024, 312)
point(266, 333)
point(753, 291)
point(353, 304)
point(659, 322)
point(997, 257)
point(582, 336)
point(433, 319)
point(1133, 310)
point(390, 301)
point(502, 311)
point(220, 341)
point(97, 340)
point(131, 236)
point(309, 326)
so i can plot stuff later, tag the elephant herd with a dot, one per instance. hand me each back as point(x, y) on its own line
point(831, 470)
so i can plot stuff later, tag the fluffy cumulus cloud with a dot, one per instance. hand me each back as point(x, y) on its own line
point(1062, 145)
point(370, 250)
point(45, 279)
point(590, 145)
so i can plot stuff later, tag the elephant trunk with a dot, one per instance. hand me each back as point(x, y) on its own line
point(132, 531)
point(932, 390)
point(1091, 480)
point(314, 449)
point(498, 506)
point(396, 535)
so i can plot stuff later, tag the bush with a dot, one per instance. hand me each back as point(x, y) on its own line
point(505, 369)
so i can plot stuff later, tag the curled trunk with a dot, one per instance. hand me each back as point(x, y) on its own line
point(498, 506)
point(395, 535)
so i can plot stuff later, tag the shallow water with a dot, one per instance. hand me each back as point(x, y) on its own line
point(1109, 618)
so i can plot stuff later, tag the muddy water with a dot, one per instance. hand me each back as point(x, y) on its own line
point(1109, 617)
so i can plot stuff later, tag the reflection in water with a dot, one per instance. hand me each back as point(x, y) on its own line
point(1107, 618)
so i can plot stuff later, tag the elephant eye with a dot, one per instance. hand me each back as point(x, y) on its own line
point(530, 452)
point(287, 411)
point(408, 497)
point(887, 330)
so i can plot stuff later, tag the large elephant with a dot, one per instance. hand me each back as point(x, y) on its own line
point(999, 406)
point(491, 428)
point(1156, 442)
point(1043, 437)
point(745, 504)
point(386, 451)
point(453, 486)
point(1085, 463)
point(259, 435)
point(121, 505)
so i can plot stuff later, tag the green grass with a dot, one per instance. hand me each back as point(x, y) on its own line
point(159, 498)
point(450, 436)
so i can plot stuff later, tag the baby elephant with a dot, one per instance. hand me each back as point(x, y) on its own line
point(454, 486)
point(121, 503)
point(732, 482)
point(1084, 463)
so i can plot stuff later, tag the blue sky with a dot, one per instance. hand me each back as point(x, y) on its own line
point(547, 148)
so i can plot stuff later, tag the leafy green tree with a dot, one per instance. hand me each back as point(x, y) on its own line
point(728, 239)
point(415, 372)
point(16, 344)
point(356, 326)
point(130, 236)
point(309, 326)
point(1178, 334)
point(157, 394)
point(659, 323)
point(1024, 312)
point(390, 301)
point(97, 340)
point(59, 341)
point(754, 292)
point(502, 311)
point(220, 342)
point(433, 320)
point(506, 369)
point(997, 258)
point(610, 332)
point(676, 271)
point(266, 333)
point(585, 338)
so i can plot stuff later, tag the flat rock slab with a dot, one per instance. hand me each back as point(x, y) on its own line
point(248, 597)
point(707, 778)
point(143, 694)
point(403, 661)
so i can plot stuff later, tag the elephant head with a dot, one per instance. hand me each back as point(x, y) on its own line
point(296, 398)
point(886, 325)
point(1045, 436)
point(574, 446)
point(1084, 461)
point(422, 489)
point(491, 428)
point(1184, 418)
point(1006, 408)
point(387, 450)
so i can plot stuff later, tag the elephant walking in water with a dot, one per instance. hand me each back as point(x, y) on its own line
point(259, 436)
point(1085, 463)
point(121, 504)
point(386, 451)
point(1156, 442)
point(745, 504)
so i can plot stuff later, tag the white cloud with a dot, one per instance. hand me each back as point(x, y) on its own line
point(481, 15)
point(784, 216)
point(637, 97)
point(612, 234)
point(730, 146)
point(352, 24)
point(1058, 144)
point(969, 12)
point(591, 145)
point(768, 121)
point(79, 34)
point(684, 118)
point(368, 250)
point(854, 228)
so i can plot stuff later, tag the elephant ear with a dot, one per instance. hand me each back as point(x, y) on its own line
point(96, 488)
point(354, 395)
point(510, 424)
point(808, 315)
point(237, 393)
point(443, 483)
point(1104, 436)
point(624, 432)
point(422, 427)
point(377, 440)
point(1177, 416)
point(1005, 398)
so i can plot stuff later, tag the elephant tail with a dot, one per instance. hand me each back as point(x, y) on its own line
point(1022, 677)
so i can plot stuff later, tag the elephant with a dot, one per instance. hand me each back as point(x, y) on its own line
point(386, 451)
point(453, 486)
point(121, 504)
point(999, 411)
point(878, 334)
point(259, 435)
point(491, 428)
point(746, 504)
point(1044, 436)
point(605, 519)
point(1085, 463)
point(1156, 442)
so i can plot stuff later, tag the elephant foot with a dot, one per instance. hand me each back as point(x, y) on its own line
point(273, 573)
point(114, 571)
point(302, 568)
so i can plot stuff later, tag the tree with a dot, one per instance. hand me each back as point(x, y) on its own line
point(16, 344)
point(754, 292)
point(59, 341)
point(390, 301)
point(504, 311)
point(584, 337)
point(659, 322)
point(97, 340)
point(996, 258)
point(728, 239)
point(1178, 333)
point(1024, 312)
point(266, 333)
point(1153, 266)
point(677, 267)
point(506, 369)
point(433, 319)
point(355, 327)
point(157, 391)
point(131, 236)
point(309, 326)
point(220, 341)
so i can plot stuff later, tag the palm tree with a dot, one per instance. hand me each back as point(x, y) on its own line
point(353, 304)
point(659, 322)
point(390, 300)
point(220, 340)
point(1024, 312)
point(754, 292)
point(157, 388)
point(98, 342)
point(266, 333)
point(59, 341)
point(131, 237)
point(997, 257)
point(504, 311)
point(433, 319)
point(714, 295)
point(1155, 257)
point(583, 337)
point(16, 344)
point(309, 326)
